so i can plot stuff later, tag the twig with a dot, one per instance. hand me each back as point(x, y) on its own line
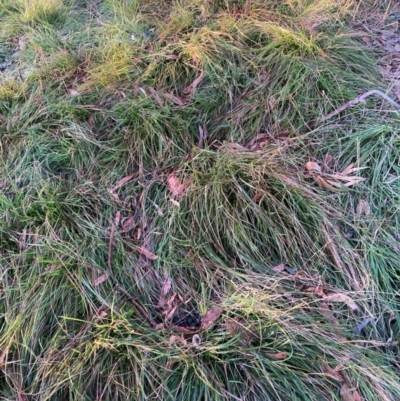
point(358, 99)
point(20, 75)
point(138, 305)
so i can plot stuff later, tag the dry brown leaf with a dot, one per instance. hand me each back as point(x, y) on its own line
point(173, 339)
point(150, 255)
point(100, 279)
point(346, 178)
point(346, 394)
point(119, 184)
point(210, 317)
point(164, 291)
point(322, 183)
point(280, 268)
point(196, 341)
point(123, 181)
point(334, 251)
point(183, 329)
point(192, 87)
point(166, 287)
point(350, 169)
point(128, 223)
point(278, 355)
point(257, 197)
point(334, 183)
point(363, 208)
point(174, 99)
point(318, 290)
point(336, 297)
point(171, 313)
point(327, 313)
point(366, 39)
point(138, 233)
point(333, 373)
point(175, 186)
point(312, 167)
point(259, 140)
point(271, 103)
point(157, 97)
point(169, 304)
point(329, 161)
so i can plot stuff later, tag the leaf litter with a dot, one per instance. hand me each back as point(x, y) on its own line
point(333, 181)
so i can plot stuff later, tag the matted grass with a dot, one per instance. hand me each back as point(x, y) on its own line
point(159, 149)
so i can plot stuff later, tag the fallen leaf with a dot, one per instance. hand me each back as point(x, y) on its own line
point(280, 268)
point(324, 184)
point(124, 180)
point(336, 297)
point(350, 169)
point(329, 161)
point(174, 99)
point(333, 249)
point(169, 303)
point(333, 373)
point(119, 184)
point(318, 290)
point(147, 253)
point(172, 340)
point(366, 40)
point(278, 355)
point(128, 223)
point(271, 103)
point(177, 189)
point(196, 341)
point(157, 97)
point(257, 197)
point(183, 330)
point(363, 208)
point(346, 394)
point(138, 233)
point(202, 135)
point(100, 279)
point(311, 166)
point(210, 317)
point(164, 291)
point(259, 140)
point(171, 313)
point(192, 87)
point(327, 313)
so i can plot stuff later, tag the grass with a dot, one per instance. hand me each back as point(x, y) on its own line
point(159, 149)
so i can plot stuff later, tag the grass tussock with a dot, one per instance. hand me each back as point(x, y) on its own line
point(161, 160)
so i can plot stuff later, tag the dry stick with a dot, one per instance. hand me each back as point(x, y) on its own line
point(138, 305)
point(358, 99)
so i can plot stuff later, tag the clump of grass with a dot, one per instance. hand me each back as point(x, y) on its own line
point(40, 11)
point(159, 150)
